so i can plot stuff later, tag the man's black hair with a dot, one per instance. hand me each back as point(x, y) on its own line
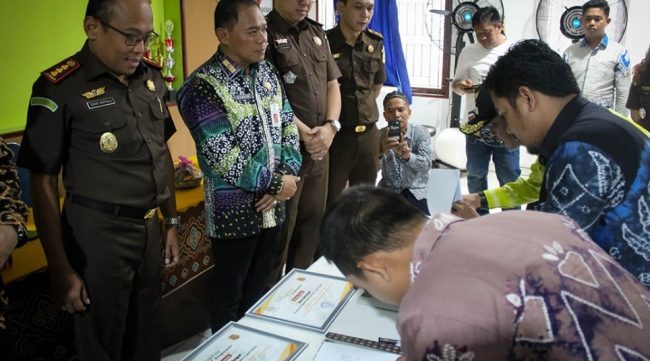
point(486, 15)
point(365, 220)
point(601, 4)
point(226, 14)
point(100, 9)
point(531, 63)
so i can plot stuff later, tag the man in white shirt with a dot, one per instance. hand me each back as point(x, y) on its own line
point(601, 66)
point(473, 65)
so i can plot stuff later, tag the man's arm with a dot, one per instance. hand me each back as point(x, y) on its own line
point(519, 192)
point(583, 196)
point(419, 159)
point(68, 289)
point(168, 210)
point(622, 82)
point(13, 211)
point(323, 135)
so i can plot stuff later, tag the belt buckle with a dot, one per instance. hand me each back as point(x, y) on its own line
point(150, 213)
point(360, 128)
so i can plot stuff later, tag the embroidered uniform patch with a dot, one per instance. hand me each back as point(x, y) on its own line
point(100, 103)
point(44, 102)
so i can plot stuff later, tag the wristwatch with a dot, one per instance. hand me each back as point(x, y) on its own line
point(173, 221)
point(334, 123)
point(483, 200)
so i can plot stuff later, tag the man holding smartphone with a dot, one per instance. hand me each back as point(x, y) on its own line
point(405, 151)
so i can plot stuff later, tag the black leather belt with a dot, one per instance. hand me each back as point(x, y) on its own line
point(112, 209)
point(359, 128)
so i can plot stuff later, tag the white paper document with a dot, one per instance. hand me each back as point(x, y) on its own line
point(304, 299)
point(242, 343)
point(331, 351)
point(443, 190)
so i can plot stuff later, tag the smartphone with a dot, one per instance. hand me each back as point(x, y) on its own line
point(394, 129)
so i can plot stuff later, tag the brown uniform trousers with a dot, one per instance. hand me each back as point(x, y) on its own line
point(355, 151)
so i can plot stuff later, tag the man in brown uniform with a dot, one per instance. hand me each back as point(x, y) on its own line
point(298, 48)
point(358, 52)
point(99, 115)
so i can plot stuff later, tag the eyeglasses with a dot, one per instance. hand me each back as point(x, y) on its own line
point(135, 39)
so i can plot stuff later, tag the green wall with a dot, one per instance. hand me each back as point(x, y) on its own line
point(38, 33)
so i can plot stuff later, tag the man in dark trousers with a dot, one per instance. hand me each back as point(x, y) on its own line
point(298, 48)
point(359, 54)
point(99, 116)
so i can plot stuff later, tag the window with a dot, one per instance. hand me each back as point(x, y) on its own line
point(426, 41)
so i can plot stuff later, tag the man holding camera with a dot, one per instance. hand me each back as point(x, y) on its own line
point(405, 151)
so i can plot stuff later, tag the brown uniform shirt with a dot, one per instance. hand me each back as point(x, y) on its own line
point(303, 59)
point(69, 113)
point(362, 67)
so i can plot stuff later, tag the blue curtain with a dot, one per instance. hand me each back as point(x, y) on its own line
point(385, 21)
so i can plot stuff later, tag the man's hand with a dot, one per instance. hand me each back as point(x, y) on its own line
point(172, 249)
point(8, 241)
point(320, 141)
point(289, 187)
point(68, 290)
point(464, 210)
point(266, 203)
point(464, 86)
point(473, 200)
point(386, 143)
point(404, 151)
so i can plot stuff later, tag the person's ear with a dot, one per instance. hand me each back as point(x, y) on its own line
point(92, 27)
point(339, 6)
point(375, 266)
point(223, 35)
point(529, 98)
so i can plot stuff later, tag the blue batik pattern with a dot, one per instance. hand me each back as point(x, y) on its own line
point(587, 185)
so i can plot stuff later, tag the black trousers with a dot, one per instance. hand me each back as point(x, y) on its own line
point(420, 203)
point(119, 259)
point(242, 268)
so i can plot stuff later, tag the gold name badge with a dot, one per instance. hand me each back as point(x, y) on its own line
point(108, 142)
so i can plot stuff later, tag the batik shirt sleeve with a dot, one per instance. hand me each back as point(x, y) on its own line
point(581, 182)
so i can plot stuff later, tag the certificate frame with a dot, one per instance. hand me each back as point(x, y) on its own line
point(300, 346)
point(348, 290)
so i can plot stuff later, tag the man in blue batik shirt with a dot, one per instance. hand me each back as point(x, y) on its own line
point(597, 164)
point(247, 146)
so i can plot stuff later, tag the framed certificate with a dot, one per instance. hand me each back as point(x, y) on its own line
point(242, 343)
point(304, 299)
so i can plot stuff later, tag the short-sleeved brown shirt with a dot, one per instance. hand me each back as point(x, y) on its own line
point(639, 96)
point(68, 115)
point(303, 59)
point(362, 67)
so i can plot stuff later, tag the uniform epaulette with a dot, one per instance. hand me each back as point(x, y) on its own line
point(314, 22)
point(152, 63)
point(61, 70)
point(375, 34)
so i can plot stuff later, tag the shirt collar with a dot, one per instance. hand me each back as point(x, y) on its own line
point(283, 26)
point(431, 233)
point(603, 42)
point(229, 66)
point(564, 121)
point(93, 67)
point(409, 131)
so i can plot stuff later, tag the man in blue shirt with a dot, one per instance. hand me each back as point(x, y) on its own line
point(597, 164)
